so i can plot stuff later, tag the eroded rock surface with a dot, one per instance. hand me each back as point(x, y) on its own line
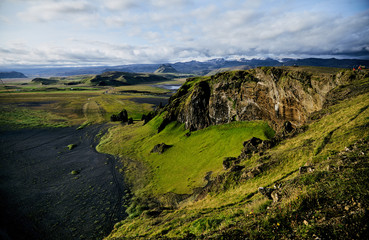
point(277, 95)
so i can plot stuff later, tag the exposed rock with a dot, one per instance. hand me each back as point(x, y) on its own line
point(306, 169)
point(266, 192)
point(151, 213)
point(250, 147)
point(254, 172)
point(287, 127)
point(160, 148)
point(130, 120)
point(166, 68)
point(282, 97)
point(275, 196)
point(122, 116)
point(196, 114)
point(148, 117)
point(236, 168)
point(255, 145)
point(229, 162)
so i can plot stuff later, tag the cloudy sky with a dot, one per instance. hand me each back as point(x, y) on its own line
point(115, 32)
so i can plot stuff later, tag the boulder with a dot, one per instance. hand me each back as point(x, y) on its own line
point(229, 162)
point(130, 120)
point(236, 168)
point(122, 117)
point(250, 147)
point(306, 169)
point(256, 145)
point(148, 117)
point(287, 127)
point(275, 196)
point(266, 192)
point(160, 148)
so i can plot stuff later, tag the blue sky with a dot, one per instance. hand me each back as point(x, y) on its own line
point(115, 32)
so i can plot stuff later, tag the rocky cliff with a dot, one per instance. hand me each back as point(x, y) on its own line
point(275, 95)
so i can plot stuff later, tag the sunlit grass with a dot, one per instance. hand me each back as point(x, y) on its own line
point(241, 206)
point(183, 166)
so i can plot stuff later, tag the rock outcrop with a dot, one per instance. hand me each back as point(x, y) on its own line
point(122, 117)
point(279, 96)
point(160, 148)
point(166, 68)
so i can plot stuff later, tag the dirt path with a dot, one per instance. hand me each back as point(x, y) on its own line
point(41, 199)
point(93, 112)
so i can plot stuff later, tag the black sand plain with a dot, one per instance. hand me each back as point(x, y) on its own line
point(48, 191)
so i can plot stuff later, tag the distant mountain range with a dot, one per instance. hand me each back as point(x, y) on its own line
point(192, 67)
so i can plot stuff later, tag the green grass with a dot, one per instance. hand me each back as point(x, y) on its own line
point(69, 108)
point(15, 118)
point(71, 146)
point(183, 166)
point(319, 198)
point(113, 104)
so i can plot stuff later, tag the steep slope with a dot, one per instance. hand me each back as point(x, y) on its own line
point(313, 172)
point(275, 95)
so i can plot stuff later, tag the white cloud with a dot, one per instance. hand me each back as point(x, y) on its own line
point(116, 5)
point(170, 4)
point(55, 10)
point(134, 31)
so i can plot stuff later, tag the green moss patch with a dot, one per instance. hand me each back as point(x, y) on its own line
point(183, 166)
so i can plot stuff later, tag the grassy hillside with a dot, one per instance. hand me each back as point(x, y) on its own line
point(328, 202)
point(184, 165)
point(311, 204)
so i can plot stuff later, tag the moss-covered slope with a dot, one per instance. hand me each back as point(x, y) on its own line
point(308, 182)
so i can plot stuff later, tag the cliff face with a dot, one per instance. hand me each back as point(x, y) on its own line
point(272, 94)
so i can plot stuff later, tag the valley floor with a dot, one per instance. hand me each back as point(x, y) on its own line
point(51, 191)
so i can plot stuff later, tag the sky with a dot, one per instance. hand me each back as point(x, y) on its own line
point(118, 32)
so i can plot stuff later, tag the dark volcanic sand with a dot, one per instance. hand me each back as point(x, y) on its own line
point(41, 199)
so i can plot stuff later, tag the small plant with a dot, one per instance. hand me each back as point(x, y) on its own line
point(74, 172)
point(71, 146)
